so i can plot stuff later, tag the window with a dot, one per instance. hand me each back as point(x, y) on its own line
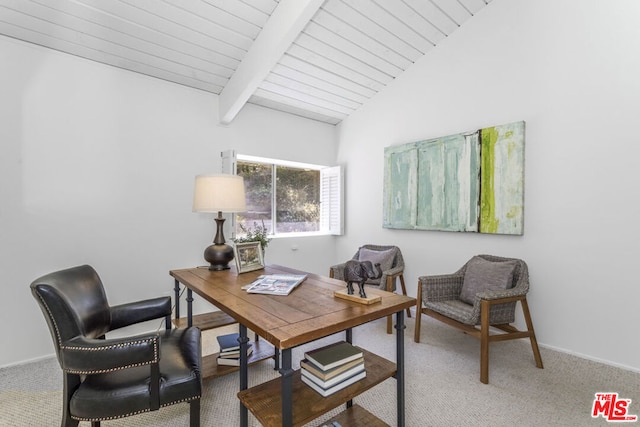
point(288, 197)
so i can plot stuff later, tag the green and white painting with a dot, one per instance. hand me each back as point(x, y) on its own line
point(471, 181)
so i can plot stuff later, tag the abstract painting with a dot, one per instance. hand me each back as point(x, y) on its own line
point(472, 182)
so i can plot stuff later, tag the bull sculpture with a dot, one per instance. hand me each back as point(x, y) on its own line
point(359, 272)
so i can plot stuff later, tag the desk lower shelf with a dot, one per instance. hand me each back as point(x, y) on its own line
point(261, 350)
point(265, 400)
point(357, 416)
point(206, 321)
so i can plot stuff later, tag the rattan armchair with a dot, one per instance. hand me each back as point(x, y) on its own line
point(387, 281)
point(439, 298)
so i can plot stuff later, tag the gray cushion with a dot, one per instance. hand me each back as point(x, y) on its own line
point(385, 258)
point(482, 275)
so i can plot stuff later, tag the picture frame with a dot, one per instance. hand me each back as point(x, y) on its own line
point(248, 256)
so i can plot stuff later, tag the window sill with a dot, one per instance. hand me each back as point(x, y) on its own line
point(305, 234)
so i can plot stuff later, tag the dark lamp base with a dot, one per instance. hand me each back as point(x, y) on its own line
point(218, 256)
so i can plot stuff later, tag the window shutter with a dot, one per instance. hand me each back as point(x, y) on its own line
point(229, 165)
point(331, 200)
point(229, 162)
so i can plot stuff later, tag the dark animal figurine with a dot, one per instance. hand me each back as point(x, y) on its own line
point(360, 272)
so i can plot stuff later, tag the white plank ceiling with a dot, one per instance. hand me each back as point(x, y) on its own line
point(320, 59)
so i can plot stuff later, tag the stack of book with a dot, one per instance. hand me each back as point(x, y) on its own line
point(230, 349)
point(333, 367)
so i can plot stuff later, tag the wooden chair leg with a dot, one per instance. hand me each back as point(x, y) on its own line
point(532, 337)
point(484, 341)
point(416, 334)
point(390, 281)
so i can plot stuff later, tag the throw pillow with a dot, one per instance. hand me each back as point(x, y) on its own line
point(385, 258)
point(482, 275)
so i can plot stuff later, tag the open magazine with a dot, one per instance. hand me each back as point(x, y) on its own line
point(276, 284)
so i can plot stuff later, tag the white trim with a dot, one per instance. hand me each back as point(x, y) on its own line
point(285, 23)
point(591, 358)
point(279, 162)
point(414, 311)
point(32, 360)
point(331, 192)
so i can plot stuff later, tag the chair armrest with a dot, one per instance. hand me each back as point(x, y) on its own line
point(500, 316)
point(393, 273)
point(504, 293)
point(445, 287)
point(338, 271)
point(135, 312)
point(81, 355)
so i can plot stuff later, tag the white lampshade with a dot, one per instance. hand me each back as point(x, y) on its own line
point(219, 193)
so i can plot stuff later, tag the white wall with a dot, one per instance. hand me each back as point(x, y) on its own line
point(97, 166)
point(571, 70)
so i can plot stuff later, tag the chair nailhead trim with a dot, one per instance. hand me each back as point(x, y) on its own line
point(188, 399)
point(107, 347)
point(72, 371)
point(102, 371)
point(53, 320)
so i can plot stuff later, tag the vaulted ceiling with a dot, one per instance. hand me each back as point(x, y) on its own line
point(320, 59)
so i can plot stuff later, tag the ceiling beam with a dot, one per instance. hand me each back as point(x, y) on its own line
point(287, 21)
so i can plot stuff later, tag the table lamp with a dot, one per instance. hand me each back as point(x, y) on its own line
point(219, 193)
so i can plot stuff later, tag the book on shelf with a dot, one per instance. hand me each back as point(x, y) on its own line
point(324, 392)
point(329, 373)
point(325, 384)
point(232, 361)
point(333, 355)
point(235, 353)
point(228, 342)
point(228, 362)
point(276, 284)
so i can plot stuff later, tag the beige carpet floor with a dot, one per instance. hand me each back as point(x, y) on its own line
point(442, 386)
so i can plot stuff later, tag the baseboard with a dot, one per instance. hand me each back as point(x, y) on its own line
point(576, 354)
point(24, 362)
point(591, 358)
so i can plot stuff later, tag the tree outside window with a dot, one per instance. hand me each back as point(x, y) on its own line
point(295, 203)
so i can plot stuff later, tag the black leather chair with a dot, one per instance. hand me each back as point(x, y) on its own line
point(109, 378)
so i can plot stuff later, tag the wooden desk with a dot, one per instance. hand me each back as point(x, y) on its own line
point(310, 312)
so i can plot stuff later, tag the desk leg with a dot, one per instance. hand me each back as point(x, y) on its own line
point(176, 291)
point(349, 335)
point(400, 365)
point(349, 338)
point(276, 359)
point(287, 388)
point(189, 307)
point(244, 377)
